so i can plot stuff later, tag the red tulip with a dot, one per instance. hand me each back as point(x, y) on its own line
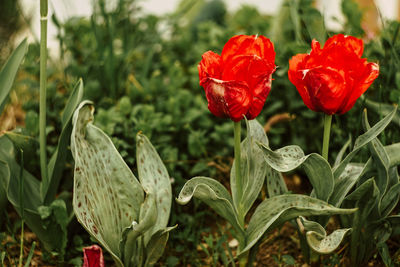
point(93, 256)
point(238, 82)
point(333, 78)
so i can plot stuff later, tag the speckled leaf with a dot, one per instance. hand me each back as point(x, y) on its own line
point(326, 244)
point(317, 168)
point(362, 140)
point(155, 247)
point(345, 182)
point(253, 168)
point(107, 196)
point(276, 210)
point(214, 195)
point(312, 226)
point(317, 238)
point(275, 184)
point(155, 180)
point(284, 159)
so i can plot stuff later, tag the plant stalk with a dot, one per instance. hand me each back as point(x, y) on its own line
point(21, 201)
point(239, 183)
point(43, 88)
point(238, 173)
point(327, 132)
point(21, 248)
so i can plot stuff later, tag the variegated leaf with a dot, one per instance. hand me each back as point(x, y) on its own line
point(107, 196)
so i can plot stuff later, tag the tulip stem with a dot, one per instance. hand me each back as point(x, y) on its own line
point(42, 104)
point(238, 173)
point(327, 132)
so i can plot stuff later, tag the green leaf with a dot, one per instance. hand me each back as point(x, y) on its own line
point(9, 70)
point(393, 153)
point(107, 196)
point(57, 162)
point(155, 247)
point(362, 140)
point(318, 240)
point(214, 195)
point(366, 198)
point(73, 101)
point(23, 142)
point(56, 214)
point(381, 159)
point(317, 168)
point(390, 199)
point(276, 210)
point(147, 219)
point(394, 222)
point(31, 184)
point(155, 180)
point(253, 168)
point(4, 177)
point(340, 155)
point(49, 231)
point(346, 181)
point(382, 109)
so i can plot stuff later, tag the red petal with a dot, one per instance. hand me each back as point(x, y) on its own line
point(296, 75)
point(249, 45)
point(260, 94)
point(93, 256)
point(247, 68)
point(227, 98)
point(209, 66)
point(256, 72)
point(370, 73)
point(326, 88)
point(350, 43)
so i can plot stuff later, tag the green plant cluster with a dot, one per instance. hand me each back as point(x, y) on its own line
point(141, 71)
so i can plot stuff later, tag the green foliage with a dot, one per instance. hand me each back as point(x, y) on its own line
point(272, 212)
point(46, 216)
point(141, 72)
point(376, 195)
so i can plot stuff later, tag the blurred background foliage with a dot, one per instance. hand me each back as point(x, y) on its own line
point(141, 72)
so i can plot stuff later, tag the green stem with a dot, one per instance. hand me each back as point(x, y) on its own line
point(21, 203)
point(327, 132)
point(21, 249)
point(239, 183)
point(43, 86)
point(238, 173)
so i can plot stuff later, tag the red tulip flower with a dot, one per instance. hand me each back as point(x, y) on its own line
point(238, 82)
point(331, 79)
point(93, 257)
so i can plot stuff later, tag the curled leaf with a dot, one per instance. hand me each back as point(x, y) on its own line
point(214, 195)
